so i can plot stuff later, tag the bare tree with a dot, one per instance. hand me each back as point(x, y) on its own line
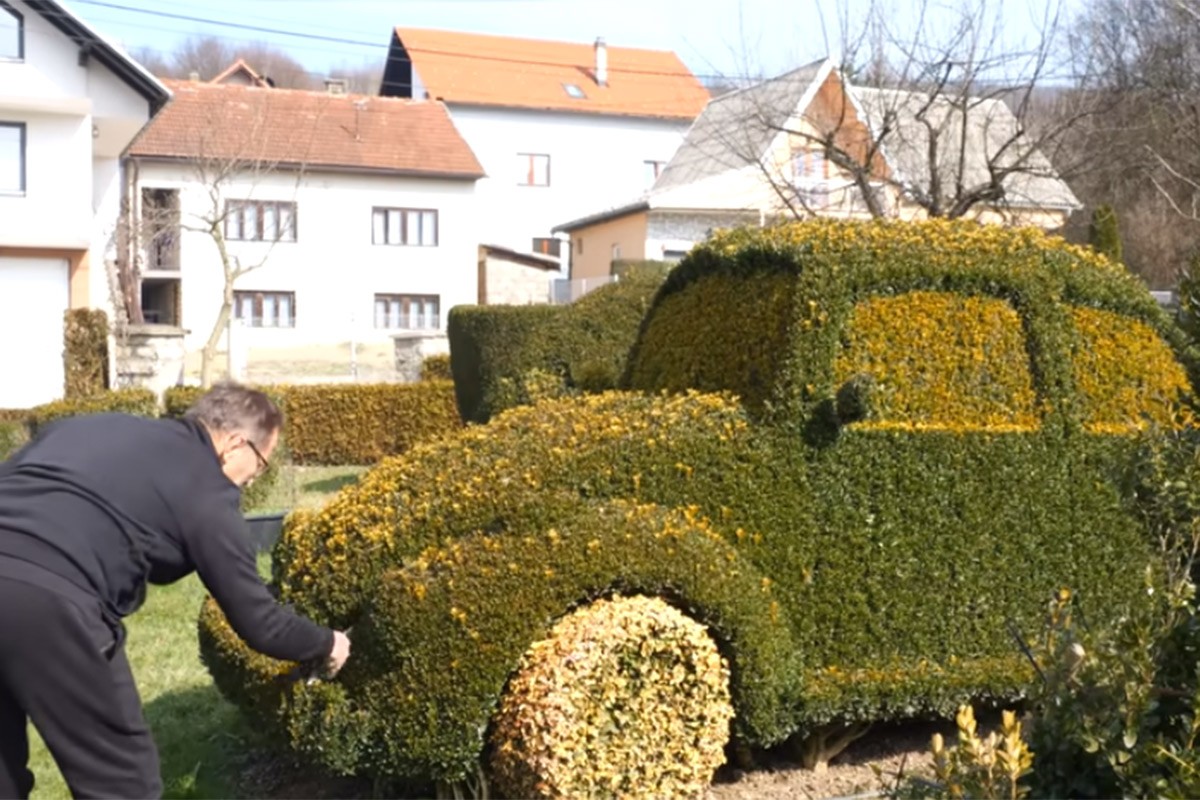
point(208, 56)
point(932, 112)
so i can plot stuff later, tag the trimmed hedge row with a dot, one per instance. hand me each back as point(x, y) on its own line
point(855, 568)
point(85, 352)
point(352, 423)
point(502, 356)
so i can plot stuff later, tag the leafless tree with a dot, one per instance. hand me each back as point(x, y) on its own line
point(933, 111)
point(208, 56)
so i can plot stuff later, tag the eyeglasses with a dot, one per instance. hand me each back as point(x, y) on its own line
point(263, 464)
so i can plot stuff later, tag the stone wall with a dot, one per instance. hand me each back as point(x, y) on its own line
point(149, 356)
point(413, 348)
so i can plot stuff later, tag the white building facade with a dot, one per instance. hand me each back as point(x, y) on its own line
point(70, 103)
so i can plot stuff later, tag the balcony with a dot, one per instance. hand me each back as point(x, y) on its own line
point(840, 198)
point(162, 253)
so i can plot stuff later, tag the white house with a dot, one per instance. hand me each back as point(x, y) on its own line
point(760, 154)
point(70, 103)
point(356, 214)
point(561, 128)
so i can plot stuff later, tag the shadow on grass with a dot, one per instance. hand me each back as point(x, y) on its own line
point(208, 750)
point(330, 485)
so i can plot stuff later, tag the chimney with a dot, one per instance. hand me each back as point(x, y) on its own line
point(335, 85)
point(601, 62)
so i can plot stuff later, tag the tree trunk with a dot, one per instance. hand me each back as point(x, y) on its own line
point(209, 351)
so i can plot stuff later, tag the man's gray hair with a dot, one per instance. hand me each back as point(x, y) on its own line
point(229, 407)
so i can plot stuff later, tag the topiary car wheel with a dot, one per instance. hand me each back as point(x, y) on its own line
point(626, 697)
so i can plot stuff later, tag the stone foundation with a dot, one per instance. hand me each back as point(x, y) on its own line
point(150, 356)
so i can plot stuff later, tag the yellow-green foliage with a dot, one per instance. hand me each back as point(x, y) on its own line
point(626, 697)
point(12, 436)
point(1125, 373)
point(883, 289)
point(840, 575)
point(362, 423)
point(85, 352)
point(466, 482)
point(141, 402)
point(940, 359)
point(737, 340)
point(436, 368)
point(351, 423)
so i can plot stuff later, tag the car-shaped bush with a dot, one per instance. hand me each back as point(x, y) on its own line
point(856, 456)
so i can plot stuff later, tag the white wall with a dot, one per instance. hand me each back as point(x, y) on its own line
point(596, 162)
point(56, 210)
point(333, 267)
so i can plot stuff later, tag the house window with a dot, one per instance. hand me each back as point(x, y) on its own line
point(809, 166)
point(12, 158)
point(416, 227)
point(12, 33)
point(533, 169)
point(651, 170)
point(265, 309)
point(408, 311)
point(260, 221)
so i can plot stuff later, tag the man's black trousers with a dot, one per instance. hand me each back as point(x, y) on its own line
point(62, 668)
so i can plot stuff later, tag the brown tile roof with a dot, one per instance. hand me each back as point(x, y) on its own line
point(316, 129)
point(530, 73)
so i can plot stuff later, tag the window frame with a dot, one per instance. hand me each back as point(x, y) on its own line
point(240, 205)
point(530, 173)
point(256, 297)
point(5, 8)
point(404, 211)
point(401, 298)
point(22, 159)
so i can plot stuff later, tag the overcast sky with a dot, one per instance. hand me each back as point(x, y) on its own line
point(713, 37)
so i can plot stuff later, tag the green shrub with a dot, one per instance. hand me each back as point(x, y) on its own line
point(1104, 235)
point(646, 700)
point(494, 349)
point(362, 423)
point(178, 399)
point(85, 352)
point(436, 368)
point(869, 574)
point(140, 402)
point(12, 436)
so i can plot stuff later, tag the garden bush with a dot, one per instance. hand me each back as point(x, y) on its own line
point(341, 424)
point(85, 352)
point(12, 436)
point(881, 522)
point(140, 402)
point(436, 368)
point(499, 353)
point(624, 693)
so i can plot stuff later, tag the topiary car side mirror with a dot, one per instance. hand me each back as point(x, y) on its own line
point(853, 402)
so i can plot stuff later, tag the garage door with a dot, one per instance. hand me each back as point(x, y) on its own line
point(34, 292)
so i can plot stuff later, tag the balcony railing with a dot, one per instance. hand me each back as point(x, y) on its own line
point(836, 198)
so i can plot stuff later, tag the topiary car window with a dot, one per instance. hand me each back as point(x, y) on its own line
point(1124, 372)
point(939, 360)
point(721, 332)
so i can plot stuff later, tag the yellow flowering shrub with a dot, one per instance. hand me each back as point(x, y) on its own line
point(1125, 373)
point(940, 360)
point(626, 697)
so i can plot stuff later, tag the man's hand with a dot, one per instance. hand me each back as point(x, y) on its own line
point(339, 653)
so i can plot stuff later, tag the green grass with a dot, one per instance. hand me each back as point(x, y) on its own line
point(203, 743)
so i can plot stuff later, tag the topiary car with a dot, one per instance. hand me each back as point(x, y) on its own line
point(856, 455)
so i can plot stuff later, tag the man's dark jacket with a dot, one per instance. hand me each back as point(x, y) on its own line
point(109, 502)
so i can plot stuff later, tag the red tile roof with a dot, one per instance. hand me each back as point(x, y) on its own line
point(316, 129)
point(531, 73)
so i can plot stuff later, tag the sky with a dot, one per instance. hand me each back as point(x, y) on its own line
point(712, 37)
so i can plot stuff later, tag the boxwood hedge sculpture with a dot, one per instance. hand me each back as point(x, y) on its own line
point(855, 453)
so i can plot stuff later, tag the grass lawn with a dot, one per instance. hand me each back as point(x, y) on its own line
point(203, 742)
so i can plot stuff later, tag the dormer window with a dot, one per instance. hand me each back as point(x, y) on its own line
point(574, 91)
point(12, 33)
